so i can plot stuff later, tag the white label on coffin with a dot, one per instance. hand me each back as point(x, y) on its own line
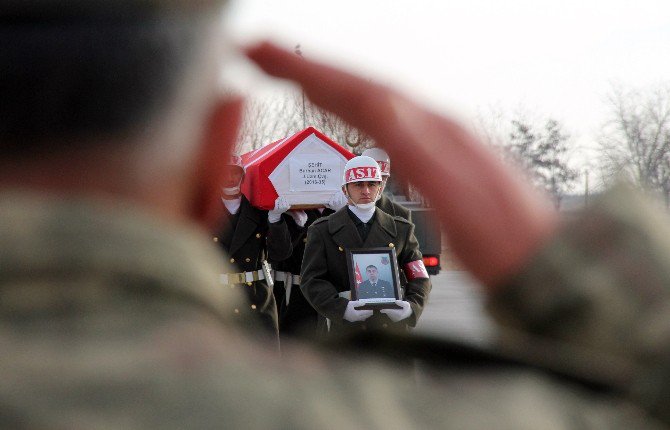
point(295, 186)
point(314, 173)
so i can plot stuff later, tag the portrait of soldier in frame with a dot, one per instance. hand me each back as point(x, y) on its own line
point(373, 277)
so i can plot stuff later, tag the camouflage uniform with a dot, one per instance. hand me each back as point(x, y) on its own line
point(111, 320)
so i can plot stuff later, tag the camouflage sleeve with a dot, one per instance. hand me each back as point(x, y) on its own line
point(279, 242)
point(602, 286)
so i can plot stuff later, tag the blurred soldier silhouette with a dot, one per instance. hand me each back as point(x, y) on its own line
point(114, 142)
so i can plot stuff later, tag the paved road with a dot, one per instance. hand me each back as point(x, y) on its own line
point(456, 309)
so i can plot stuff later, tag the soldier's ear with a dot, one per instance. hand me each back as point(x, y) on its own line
point(218, 142)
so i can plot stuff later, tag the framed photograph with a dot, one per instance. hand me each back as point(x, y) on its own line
point(373, 277)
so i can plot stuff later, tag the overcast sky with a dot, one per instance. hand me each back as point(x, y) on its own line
point(553, 58)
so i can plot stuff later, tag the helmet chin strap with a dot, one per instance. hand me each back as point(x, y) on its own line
point(357, 205)
point(232, 191)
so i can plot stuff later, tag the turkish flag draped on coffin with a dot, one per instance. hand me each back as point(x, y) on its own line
point(305, 168)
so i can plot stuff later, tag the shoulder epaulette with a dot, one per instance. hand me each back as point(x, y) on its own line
point(320, 220)
point(401, 219)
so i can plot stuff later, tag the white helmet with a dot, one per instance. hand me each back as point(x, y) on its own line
point(236, 160)
point(361, 168)
point(382, 158)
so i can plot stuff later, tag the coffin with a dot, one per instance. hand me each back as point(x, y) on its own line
point(306, 168)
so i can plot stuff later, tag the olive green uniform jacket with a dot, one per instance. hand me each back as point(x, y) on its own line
point(248, 239)
point(392, 208)
point(296, 316)
point(112, 319)
point(324, 272)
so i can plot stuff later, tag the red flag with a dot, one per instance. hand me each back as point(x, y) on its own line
point(359, 278)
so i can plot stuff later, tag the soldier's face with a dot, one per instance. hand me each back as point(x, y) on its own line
point(373, 274)
point(364, 192)
point(232, 176)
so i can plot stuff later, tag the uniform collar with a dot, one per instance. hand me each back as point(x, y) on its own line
point(357, 220)
point(232, 205)
point(341, 219)
point(363, 215)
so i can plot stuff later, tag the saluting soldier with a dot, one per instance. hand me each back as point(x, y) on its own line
point(360, 224)
point(384, 202)
point(251, 237)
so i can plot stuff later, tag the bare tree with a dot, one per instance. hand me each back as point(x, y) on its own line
point(543, 155)
point(273, 118)
point(540, 148)
point(338, 130)
point(636, 139)
point(267, 120)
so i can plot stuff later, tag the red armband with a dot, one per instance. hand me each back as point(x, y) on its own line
point(415, 270)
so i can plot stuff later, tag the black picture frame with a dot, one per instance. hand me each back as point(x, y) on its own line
point(387, 288)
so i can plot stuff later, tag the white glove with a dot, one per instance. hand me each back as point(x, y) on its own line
point(300, 217)
point(281, 206)
point(398, 314)
point(337, 201)
point(352, 314)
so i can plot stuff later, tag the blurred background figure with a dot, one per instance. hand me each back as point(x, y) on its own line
point(384, 202)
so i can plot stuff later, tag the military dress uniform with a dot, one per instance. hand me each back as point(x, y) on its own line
point(296, 315)
point(379, 289)
point(392, 208)
point(249, 239)
point(325, 278)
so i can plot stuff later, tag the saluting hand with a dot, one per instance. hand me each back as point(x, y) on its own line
point(494, 221)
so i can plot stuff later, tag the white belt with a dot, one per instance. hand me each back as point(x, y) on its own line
point(280, 276)
point(242, 277)
point(289, 280)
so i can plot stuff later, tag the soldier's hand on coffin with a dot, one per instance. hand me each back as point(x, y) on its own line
point(337, 201)
point(281, 206)
point(396, 315)
point(299, 216)
point(352, 314)
point(494, 221)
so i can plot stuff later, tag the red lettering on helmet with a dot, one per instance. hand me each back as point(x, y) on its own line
point(360, 173)
point(384, 166)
